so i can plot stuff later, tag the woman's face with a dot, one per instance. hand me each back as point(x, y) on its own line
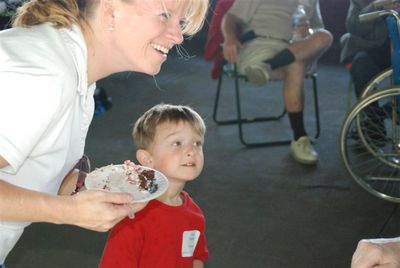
point(144, 31)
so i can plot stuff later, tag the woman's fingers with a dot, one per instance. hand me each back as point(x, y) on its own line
point(100, 211)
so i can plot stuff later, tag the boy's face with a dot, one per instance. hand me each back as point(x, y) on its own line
point(177, 151)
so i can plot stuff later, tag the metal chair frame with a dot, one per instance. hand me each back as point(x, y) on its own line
point(240, 121)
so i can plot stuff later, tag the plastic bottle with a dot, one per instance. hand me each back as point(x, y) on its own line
point(298, 19)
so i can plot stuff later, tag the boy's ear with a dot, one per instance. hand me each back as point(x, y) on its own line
point(144, 158)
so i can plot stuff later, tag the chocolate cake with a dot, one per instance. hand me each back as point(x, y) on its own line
point(147, 181)
point(144, 179)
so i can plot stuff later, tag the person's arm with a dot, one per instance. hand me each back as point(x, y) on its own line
point(69, 183)
point(375, 253)
point(198, 264)
point(93, 210)
point(229, 28)
point(353, 24)
point(316, 21)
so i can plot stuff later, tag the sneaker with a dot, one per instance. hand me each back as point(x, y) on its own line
point(303, 151)
point(256, 75)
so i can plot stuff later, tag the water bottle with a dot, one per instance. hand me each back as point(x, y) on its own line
point(299, 18)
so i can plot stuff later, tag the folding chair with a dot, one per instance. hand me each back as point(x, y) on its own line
point(240, 121)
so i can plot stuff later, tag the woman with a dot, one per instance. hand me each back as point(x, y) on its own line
point(49, 63)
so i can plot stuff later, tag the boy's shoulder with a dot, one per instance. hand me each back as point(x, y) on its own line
point(190, 203)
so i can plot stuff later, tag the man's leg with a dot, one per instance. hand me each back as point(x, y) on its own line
point(251, 57)
point(362, 71)
point(293, 93)
point(364, 68)
point(312, 47)
point(307, 50)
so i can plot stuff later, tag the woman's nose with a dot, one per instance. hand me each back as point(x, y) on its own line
point(176, 35)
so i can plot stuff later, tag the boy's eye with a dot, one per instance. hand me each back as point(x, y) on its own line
point(177, 143)
point(198, 143)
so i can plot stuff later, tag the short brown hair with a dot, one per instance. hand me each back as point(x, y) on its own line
point(145, 127)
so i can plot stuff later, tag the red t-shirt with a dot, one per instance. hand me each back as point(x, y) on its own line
point(159, 236)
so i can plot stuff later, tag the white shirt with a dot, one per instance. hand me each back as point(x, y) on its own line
point(273, 18)
point(46, 108)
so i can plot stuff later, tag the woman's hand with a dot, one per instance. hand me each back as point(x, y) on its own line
point(377, 253)
point(99, 210)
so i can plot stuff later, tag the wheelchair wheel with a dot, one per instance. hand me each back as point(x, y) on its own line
point(381, 80)
point(370, 143)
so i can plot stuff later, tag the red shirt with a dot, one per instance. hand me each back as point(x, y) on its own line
point(159, 236)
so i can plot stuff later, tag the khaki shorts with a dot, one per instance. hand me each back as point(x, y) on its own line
point(258, 50)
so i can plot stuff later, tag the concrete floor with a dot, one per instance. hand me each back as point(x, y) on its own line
point(262, 208)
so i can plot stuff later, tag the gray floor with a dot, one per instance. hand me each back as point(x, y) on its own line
point(262, 208)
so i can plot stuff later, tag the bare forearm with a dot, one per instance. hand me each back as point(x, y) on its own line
point(93, 210)
point(229, 27)
point(19, 204)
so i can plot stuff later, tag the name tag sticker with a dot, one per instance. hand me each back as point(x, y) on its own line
point(189, 242)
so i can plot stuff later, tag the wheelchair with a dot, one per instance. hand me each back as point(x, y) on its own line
point(370, 134)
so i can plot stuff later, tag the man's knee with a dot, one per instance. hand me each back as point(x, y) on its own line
point(323, 39)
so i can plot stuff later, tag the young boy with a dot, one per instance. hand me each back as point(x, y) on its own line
point(169, 231)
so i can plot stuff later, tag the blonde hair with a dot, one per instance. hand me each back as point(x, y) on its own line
point(145, 127)
point(195, 16)
point(61, 13)
point(65, 13)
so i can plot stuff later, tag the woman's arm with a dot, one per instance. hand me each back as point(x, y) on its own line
point(94, 210)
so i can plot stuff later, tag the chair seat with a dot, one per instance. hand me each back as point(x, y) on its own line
point(230, 71)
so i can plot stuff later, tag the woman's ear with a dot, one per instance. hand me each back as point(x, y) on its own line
point(144, 158)
point(107, 7)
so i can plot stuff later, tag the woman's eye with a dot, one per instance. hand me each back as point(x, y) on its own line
point(183, 24)
point(165, 16)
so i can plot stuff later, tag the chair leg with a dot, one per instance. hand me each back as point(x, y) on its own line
point(237, 99)
point(240, 121)
point(316, 105)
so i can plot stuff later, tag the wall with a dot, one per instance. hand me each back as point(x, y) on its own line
point(334, 14)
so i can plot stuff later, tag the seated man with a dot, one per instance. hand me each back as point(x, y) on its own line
point(367, 47)
point(273, 55)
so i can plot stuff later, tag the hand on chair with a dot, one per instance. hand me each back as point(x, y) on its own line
point(230, 49)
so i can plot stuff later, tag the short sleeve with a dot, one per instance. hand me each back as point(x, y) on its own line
point(28, 103)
